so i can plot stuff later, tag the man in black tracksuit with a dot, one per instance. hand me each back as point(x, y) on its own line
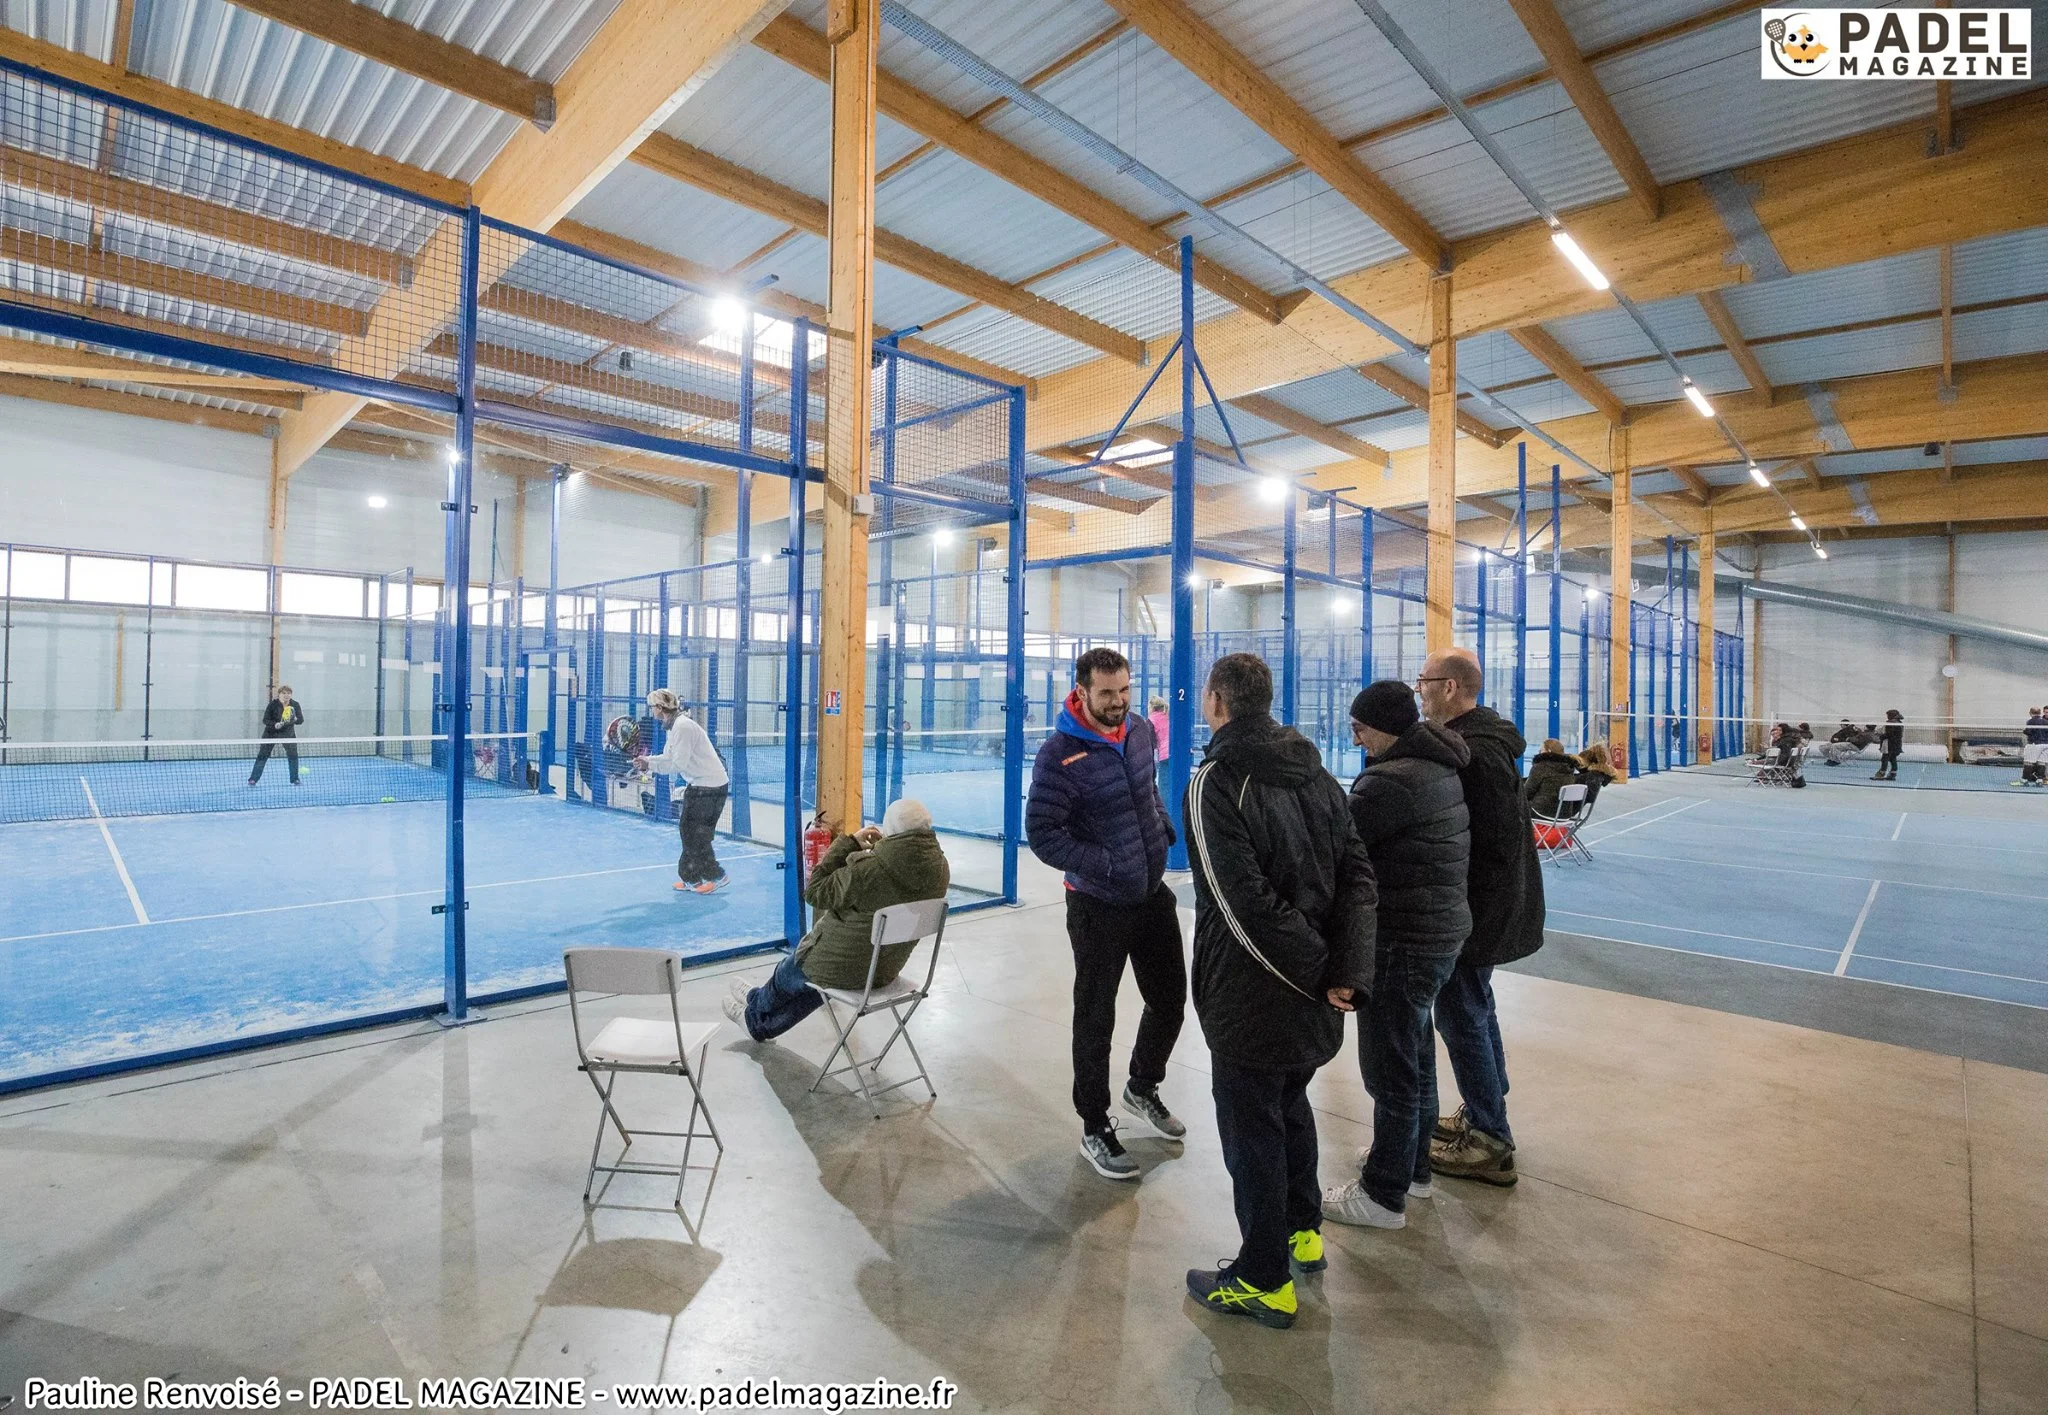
point(1504, 887)
point(1095, 815)
point(282, 719)
point(1409, 808)
point(1283, 946)
point(1892, 744)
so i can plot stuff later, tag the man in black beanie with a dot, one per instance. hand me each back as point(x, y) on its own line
point(1409, 808)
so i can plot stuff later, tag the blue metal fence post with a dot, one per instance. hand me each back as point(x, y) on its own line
point(1585, 670)
point(1013, 651)
point(741, 769)
point(1686, 651)
point(455, 900)
point(1366, 532)
point(1290, 630)
point(1183, 702)
point(1556, 722)
point(550, 633)
point(657, 677)
point(1479, 582)
point(794, 719)
point(1522, 588)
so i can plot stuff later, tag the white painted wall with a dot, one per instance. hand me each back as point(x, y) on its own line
point(84, 479)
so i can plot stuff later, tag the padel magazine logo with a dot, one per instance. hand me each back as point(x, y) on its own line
point(1898, 44)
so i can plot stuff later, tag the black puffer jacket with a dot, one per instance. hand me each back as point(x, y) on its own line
point(1549, 774)
point(1284, 897)
point(1409, 809)
point(1506, 882)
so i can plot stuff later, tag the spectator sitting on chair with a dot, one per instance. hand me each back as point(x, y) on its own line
point(281, 722)
point(1848, 741)
point(1549, 774)
point(898, 862)
point(1596, 769)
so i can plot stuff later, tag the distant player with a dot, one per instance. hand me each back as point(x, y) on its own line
point(691, 756)
point(281, 722)
point(2034, 754)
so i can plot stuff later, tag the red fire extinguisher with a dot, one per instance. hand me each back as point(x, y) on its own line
point(817, 840)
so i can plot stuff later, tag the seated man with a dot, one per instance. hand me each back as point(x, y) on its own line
point(1848, 741)
point(898, 862)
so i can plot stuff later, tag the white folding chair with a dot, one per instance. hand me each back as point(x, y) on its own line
point(1771, 772)
point(899, 923)
point(662, 1046)
point(1557, 837)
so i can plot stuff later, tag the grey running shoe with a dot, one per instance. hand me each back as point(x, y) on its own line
point(1100, 1149)
point(1144, 1103)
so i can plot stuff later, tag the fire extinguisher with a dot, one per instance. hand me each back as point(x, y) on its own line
point(817, 840)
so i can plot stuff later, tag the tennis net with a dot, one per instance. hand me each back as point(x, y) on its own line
point(59, 781)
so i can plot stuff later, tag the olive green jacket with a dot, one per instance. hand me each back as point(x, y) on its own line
point(848, 887)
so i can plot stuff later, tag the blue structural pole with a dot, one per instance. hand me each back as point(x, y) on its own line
point(1672, 631)
point(1585, 670)
point(550, 635)
point(1365, 537)
point(1182, 700)
point(1522, 588)
point(593, 701)
point(657, 677)
point(455, 594)
point(1556, 722)
point(792, 704)
point(1685, 651)
point(741, 769)
point(1013, 653)
point(1479, 582)
point(1290, 630)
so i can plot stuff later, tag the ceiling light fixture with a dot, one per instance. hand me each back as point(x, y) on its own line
point(1797, 522)
point(1698, 399)
point(378, 503)
point(1581, 262)
point(1273, 489)
point(942, 537)
point(1759, 476)
point(1817, 550)
point(728, 314)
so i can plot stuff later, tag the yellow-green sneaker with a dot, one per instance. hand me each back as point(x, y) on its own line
point(1223, 1291)
point(1306, 1248)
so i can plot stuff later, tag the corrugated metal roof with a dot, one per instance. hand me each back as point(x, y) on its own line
point(1019, 37)
point(1878, 289)
point(1596, 24)
point(1330, 58)
point(657, 211)
point(776, 120)
point(953, 206)
point(2002, 267)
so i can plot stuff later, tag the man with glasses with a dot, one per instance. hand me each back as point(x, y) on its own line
point(1504, 890)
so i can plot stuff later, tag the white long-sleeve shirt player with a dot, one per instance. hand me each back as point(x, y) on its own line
point(690, 755)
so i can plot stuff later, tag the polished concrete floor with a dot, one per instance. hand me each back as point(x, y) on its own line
point(1717, 1212)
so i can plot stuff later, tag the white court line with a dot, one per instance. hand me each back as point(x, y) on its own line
point(1810, 972)
point(363, 899)
point(1866, 839)
point(1900, 826)
point(1862, 918)
point(1676, 929)
point(1646, 806)
point(1824, 874)
point(120, 865)
point(1612, 834)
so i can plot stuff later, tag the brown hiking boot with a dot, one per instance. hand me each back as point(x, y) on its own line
point(1475, 1155)
point(1450, 1128)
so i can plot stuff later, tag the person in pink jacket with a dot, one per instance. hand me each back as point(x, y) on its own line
point(1155, 713)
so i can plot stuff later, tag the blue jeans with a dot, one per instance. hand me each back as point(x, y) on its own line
point(1397, 1059)
point(1471, 1032)
point(781, 1002)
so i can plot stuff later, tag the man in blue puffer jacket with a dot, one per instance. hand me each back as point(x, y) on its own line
point(1095, 814)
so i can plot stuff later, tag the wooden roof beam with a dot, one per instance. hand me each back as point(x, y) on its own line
point(775, 302)
point(648, 57)
point(359, 29)
point(1555, 357)
point(1204, 53)
point(1274, 411)
point(1560, 51)
point(1723, 320)
point(797, 44)
point(1417, 396)
point(692, 165)
point(1856, 199)
point(141, 405)
point(240, 122)
point(1696, 486)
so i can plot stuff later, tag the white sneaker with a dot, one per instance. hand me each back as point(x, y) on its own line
point(735, 1008)
point(1351, 1204)
point(1417, 1188)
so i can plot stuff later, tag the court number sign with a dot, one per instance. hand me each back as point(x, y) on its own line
point(1897, 44)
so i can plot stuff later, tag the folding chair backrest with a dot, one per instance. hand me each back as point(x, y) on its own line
point(908, 923)
point(637, 972)
point(1571, 800)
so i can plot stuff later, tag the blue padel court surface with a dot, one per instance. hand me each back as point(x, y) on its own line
point(1937, 902)
point(261, 920)
point(1913, 776)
